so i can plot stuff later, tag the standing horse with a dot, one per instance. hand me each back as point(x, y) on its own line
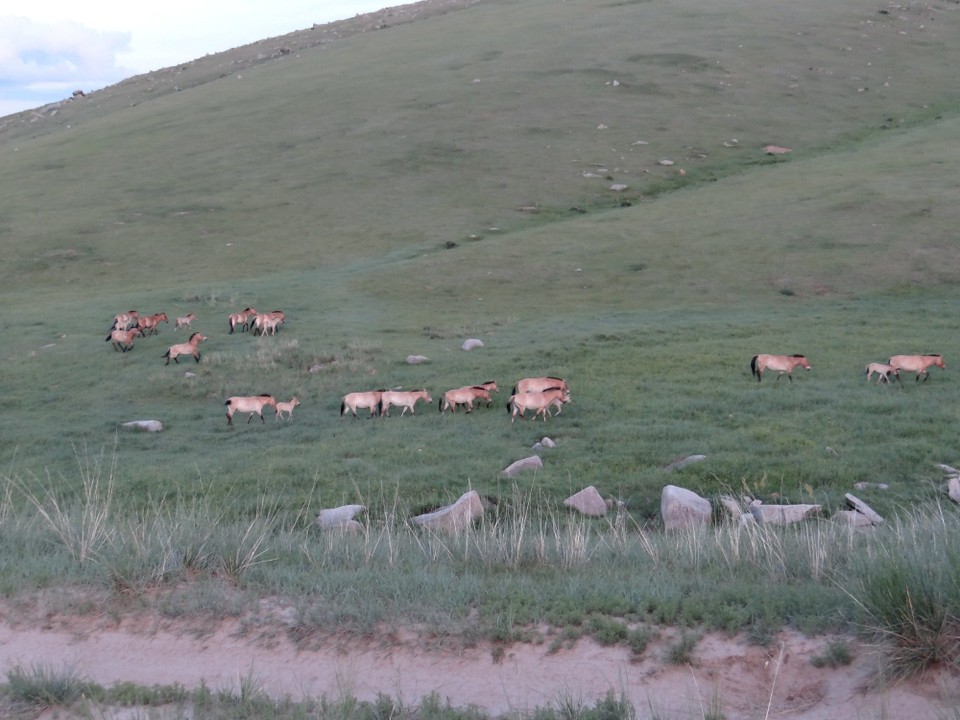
point(781, 363)
point(463, 396)
point(540, 402)
point(406, 400)
point(267, 323)
point(252, 404)
point(539, 384)
point(354, 400)
point(123, 339)
point(187, 348)
point(883, 372)
point(917, 364)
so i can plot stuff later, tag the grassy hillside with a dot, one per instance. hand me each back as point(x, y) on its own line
point(398, 191)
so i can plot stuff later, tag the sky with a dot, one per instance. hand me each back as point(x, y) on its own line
point(49, 48)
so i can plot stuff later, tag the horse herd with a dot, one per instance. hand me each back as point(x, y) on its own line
point(537, 394)
point(784, 364)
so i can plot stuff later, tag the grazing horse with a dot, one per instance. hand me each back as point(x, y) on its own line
point(149, 323)
point(406, 400)
point(883, 372)
point(267, 323)
point(184, 322)
point(464, 396)
point(187, 348)
point(287, 407)
point(123, 339)
point(917, 364)
point(354, 400)
point(538, 401)
point(242, 319)
point(539, 384)
point(124, 321)
point(781, 363)
point(252, 404)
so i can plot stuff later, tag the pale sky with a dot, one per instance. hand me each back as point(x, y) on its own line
point(49, 48)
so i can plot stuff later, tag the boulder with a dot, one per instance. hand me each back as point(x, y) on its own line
point(683, 462)
point(453, 518)
point(417, 359)
point(953, 489)
point(588, 502)
point(861, 507)
point(335, 517)
point(731, 505)
point(681, 508)
point(529, 463)
point(472, 343)
point(545, 443)
point(782, 514)
point(144, 425)
point(852, 518)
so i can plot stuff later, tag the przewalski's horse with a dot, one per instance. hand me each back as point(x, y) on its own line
point(539, 384)
point(242, 319)
point(184, 322)
point(538, 401)
point(354, 400)
point(918, 364)
point(406, 400)
point(779, 363)
point(149, 323)
point(187, 348)
point(123, 339)
point(466, 395)
point(883, 372)
point(287, 407)
point(125, 321)
point(252, 404)
point(267, 323)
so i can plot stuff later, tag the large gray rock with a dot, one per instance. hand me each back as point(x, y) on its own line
point(453, 518)
point(861, 507)
point(681, 508)
point(588, 502)
point(336, 517)
point(472, 343)
point(144, 425)
point(529, 463)
point(782, 514)
point(417, 359)
point(953, 489)
point(852, 518)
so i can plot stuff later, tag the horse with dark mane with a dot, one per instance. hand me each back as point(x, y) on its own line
point(779, 363)
point(252, 404)
point(918, 364)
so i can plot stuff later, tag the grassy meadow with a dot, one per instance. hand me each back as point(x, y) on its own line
point(397, 192)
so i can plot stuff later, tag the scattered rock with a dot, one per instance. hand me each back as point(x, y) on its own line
point(851, 517)
point(453, 518)
point(530, 463)
point(731, 505)
point(588, 502)
point(619, 187)
point(782, 514)
point(544, 443)
point(417, 359)
point(335, 517)
point(681, 508)
point(144, 425)
point(472, 343)
point(776, 150)
point(953, 489)
point(861, 507)
point(665, 163)
point(864, 485)
point(683, 462)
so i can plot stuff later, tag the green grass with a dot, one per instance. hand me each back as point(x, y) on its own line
point(395, 201)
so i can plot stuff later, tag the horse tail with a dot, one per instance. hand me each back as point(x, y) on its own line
point(380, 407)
point(229, 400)
point(343, 407)
point(107, 339)
point(753, 367)
point(440, 404)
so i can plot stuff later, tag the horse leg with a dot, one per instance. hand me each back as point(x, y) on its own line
point(229, 418)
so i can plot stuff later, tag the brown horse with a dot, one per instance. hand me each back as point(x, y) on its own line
point(917, 364)
point(539, 384)
point(252, 404)
point(287, 407)
point(125, 321)
point(780, 363)
point(538, 401)
point(267, 323)
point(883, 372)
point(464, 396)
point(187, 348)
point(242, 319)
point(123, 339)
point(406, 400)
point(149, 323)
point(354, 400)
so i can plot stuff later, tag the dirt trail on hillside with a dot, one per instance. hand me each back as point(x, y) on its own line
point(729, 676)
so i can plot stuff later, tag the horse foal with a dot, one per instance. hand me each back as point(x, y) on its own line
point(287, 407)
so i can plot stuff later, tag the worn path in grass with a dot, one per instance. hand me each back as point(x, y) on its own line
point(726, 675)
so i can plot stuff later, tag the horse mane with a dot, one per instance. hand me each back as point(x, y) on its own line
point(478, 387)
point(797, 355)
point(489, 382)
